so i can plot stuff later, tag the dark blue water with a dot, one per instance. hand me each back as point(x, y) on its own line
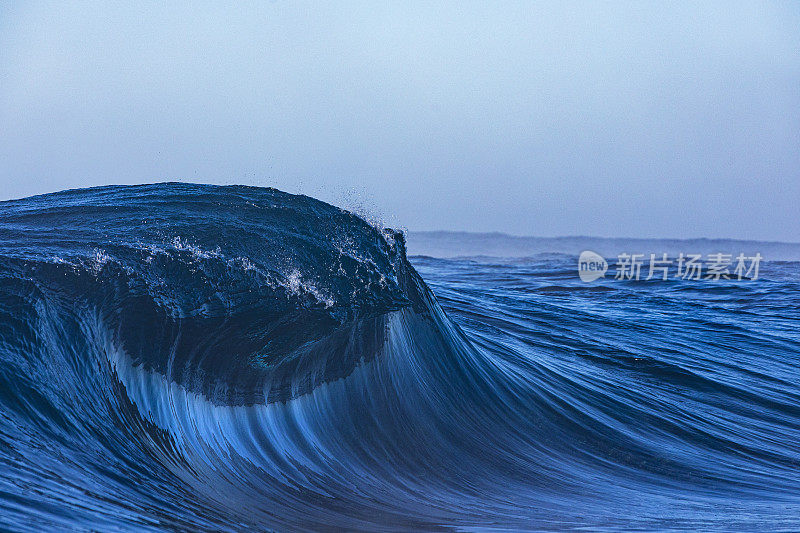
point(185, 357)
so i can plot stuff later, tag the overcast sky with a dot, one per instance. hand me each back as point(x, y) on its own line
point(548, 118)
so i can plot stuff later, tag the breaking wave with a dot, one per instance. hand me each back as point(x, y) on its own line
point(180, 356)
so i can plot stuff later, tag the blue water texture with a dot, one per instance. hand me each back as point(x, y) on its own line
point(180, 357)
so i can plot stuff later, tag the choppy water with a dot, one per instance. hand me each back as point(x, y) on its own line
point(188, 357)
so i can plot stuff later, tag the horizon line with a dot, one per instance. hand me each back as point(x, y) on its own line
point(596, 237)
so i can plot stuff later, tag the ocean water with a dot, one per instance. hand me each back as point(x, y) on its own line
point(186, 357)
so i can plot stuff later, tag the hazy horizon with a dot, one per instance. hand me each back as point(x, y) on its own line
point(446, 244)
point(545, 119)
point(598, 237)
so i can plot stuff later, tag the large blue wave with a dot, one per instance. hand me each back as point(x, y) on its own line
point(187, 357)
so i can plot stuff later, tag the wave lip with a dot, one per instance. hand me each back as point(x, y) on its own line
point(247, 294)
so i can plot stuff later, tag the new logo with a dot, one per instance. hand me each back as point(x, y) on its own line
point(591, 266)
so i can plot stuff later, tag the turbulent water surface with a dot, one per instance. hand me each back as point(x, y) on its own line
point(188, 357)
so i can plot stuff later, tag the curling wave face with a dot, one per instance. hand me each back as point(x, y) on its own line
point(181, 356)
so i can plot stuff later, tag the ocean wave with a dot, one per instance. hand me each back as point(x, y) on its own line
point(192, 357)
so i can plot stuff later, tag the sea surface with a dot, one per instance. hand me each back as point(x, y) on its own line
point(180, 357)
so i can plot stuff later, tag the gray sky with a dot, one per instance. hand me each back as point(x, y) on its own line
point(549, 118)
